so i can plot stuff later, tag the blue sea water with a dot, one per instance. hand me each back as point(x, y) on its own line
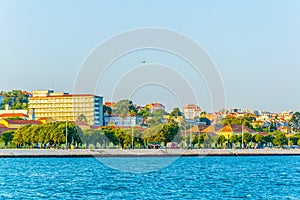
point(271, 177)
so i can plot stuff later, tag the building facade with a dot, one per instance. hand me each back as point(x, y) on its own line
point(155, 106)
point(191, 111)
point(116, 120)
point(8, 113)
point(66, 107)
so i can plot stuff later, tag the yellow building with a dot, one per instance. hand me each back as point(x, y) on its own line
point(64, 106)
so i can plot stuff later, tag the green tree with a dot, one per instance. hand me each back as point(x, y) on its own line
point(124, 108)
point(280, 139)
point(107, 110)
point(15, 98)
point(176, 112)
point(221, 140)
point(157, 117)
point(247, 138)
point(145, 113)
point(110, 135)
point(294, 123)
point(7, 137)
point(169, 131)
point(234, 139)
point(151, 133)
point(258, 138)
point(245, 120)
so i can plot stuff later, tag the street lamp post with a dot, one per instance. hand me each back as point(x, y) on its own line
point(242, 136)
point(66, 134)
point(132, 137)
point(185, 137)
point(190, 139)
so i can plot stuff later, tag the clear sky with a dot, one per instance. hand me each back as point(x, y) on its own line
point(254, 44)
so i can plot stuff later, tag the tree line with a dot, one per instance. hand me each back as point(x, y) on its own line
point(53, 134)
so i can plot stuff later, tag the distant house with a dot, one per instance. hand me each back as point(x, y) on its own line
point(191, 111)
point(14, 115)
point(8, 113)
point(155, 106)
point(227, 130)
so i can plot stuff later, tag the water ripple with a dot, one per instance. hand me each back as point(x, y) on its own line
point(186, 178)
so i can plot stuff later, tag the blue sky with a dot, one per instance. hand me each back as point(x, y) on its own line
point(255, 44)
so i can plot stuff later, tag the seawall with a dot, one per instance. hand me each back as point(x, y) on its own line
point(34, 153)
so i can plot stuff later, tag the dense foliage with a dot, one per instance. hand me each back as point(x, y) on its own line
point(49, 134)
point(16, 99)
point(124, 108)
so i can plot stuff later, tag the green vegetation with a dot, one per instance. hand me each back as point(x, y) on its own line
point(122, 137)
point(246, 120)
point(295, 122)
point(157, 117)
point(107, 110)
point(15, 98)
point(124, 108)
point(145, 113)
point(7, 137)
point(52, 134)
point(176, 112)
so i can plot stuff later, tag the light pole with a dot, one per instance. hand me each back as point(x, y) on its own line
point(190, 139)
point(132, 137)
point(242, 136)
point(66, 134)
point(289, 134)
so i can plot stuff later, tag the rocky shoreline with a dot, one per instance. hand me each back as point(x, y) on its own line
point(35, 153)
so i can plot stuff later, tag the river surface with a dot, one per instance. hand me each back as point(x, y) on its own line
point(269, 177)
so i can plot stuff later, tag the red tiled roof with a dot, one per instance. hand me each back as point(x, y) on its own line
point(23, 121)
point(13, 115)
point(109, 104)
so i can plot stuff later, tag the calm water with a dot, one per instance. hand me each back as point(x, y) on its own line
point(186, 178)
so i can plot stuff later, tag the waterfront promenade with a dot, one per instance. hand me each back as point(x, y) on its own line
point(143, 152)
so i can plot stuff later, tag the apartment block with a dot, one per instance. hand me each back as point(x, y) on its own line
point(62, 106)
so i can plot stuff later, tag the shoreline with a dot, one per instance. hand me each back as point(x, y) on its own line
point(107, 153)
